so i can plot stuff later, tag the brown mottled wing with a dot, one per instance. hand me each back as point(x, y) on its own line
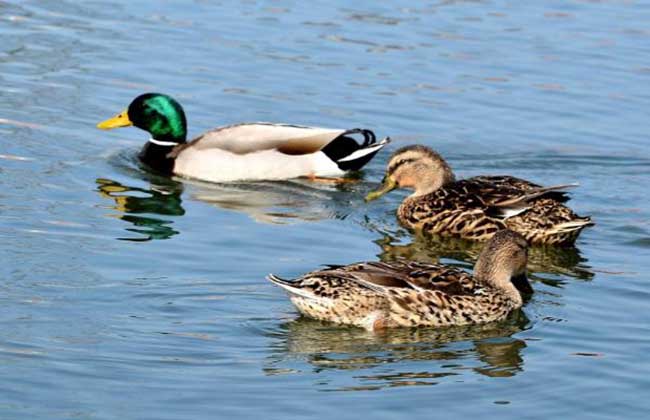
point(491, 193)
point(536, 212)
point(506, 181)
point(499, 197)
point(504, 190)
point(406, 275)
point(459, 195)
point(476, 193)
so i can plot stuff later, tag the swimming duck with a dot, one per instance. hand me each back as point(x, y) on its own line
point(376, 295)
point(476, 208)
point(247, 151)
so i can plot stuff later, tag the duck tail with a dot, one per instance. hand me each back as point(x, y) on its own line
point(357, 159)
point(564, 233)
point(279, 280)
point(573, 225)
point(348, 154)
point(290, 286)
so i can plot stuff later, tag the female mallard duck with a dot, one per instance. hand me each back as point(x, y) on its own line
point(377, 295)
point(476, 208)
point(249, 151)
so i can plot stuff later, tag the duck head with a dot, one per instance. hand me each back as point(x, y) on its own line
point(415, 167)
point(158, 114)
point(502, 264)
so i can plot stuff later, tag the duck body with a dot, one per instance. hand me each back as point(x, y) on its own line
point(246, 151)
point(257, 151)
point(379, 295)
point(476, 208)
point(376, 295)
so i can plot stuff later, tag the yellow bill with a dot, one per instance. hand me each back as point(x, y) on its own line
point(388, 185)
point(120, 120)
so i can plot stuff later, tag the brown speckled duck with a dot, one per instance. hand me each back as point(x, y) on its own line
point(376, 295)
point(476, 208)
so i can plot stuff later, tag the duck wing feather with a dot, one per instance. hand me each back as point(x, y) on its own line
point(253, 137)
point(407, 275)
point(508, 190)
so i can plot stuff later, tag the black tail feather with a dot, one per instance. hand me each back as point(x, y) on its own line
point(344, 146)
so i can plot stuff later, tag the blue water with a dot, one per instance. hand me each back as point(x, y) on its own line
point(127, 295)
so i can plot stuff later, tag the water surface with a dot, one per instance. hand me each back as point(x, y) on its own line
point(129, 295)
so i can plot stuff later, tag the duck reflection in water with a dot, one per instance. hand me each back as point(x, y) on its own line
point(280, 202)
point(566, 261)
point(132, 202)
point(400, 356)
point(264, 202)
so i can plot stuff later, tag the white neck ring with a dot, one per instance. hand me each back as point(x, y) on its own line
point(163, 143)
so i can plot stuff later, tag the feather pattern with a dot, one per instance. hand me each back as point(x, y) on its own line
point(476, 208)
point(377, 295)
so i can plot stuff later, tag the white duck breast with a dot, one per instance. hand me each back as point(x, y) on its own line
point(258, 151)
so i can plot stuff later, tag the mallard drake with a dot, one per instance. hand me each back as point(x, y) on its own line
point(476, 208)
point(376, 295)
point(247, 151)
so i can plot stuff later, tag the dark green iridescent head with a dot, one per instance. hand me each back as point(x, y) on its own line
point(160, 115)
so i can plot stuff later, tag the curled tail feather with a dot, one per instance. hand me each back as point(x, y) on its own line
point(355, 157)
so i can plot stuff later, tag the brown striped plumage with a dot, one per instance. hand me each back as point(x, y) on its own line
point(478, 207)
point(407, 294)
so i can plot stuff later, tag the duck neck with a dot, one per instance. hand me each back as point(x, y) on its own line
point(433, 181)
point(507, 288)
point(500, 279)
point(155, 154)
